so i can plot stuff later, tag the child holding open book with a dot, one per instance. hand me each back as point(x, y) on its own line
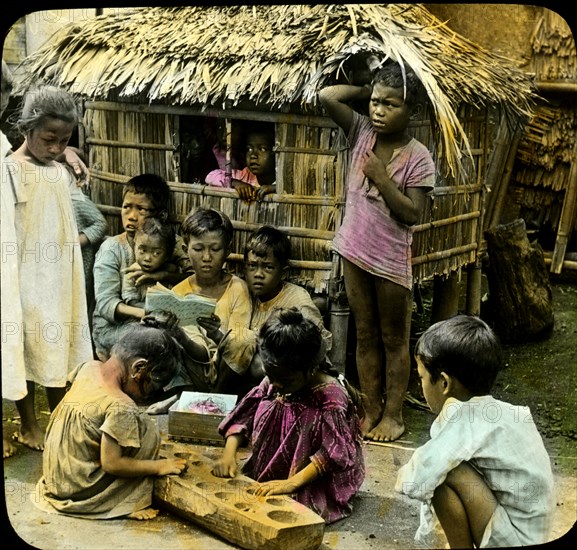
point(215, 345)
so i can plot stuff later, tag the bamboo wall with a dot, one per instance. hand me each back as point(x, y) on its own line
point(311, 159)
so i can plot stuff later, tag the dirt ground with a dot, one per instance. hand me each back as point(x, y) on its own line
point(542, 375)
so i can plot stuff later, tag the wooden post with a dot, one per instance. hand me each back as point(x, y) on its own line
point(520, 293)
point(568, 214)
point(493, 216)
point(445, 297)
point(474, 277)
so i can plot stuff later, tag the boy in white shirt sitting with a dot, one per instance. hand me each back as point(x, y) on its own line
point(485, 471)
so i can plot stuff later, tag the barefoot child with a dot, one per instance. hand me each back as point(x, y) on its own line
point(485, 470)
point(101, 451)
point(12, 348)
point(389, 176)
point(302, 423)
point(153, 246)
point(55, 329)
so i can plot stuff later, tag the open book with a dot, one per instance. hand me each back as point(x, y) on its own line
point(186, 308)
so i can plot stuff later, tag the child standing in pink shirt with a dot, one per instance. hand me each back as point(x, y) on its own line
point(389, 176)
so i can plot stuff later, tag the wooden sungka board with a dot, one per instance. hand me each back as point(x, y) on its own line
point(229, 508)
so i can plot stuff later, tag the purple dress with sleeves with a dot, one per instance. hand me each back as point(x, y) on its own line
point(289, 432)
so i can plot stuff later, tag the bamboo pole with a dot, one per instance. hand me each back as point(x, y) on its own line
point(443, 254)
point(196, 189)
point(261, 116)
point(567, 264)
point(297, 264)
point(291, 231)
point(447, 221)
point(127, 145)
point(567, 220)
point(557, 86)
point(303, 232)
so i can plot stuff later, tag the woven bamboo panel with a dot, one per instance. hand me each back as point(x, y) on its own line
point(311, 165)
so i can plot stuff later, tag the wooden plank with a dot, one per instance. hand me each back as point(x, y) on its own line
point(229, 508)
point(567, 221)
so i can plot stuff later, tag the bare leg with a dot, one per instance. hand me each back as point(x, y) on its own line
point(395, 307)
point(464, 505)
point(361, 295)
point(54, 396)
point(30, 433)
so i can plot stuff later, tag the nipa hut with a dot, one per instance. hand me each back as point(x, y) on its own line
point(146, 74)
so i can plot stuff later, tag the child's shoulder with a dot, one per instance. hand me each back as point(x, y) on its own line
point(330, 394)
point(113, 248)
point(237, 283)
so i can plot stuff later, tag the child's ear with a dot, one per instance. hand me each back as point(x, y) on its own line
point(138, 368)
point(285, 272)
point(163, 215)
point(446, 382)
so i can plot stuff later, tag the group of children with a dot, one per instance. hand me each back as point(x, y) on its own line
point(265, 342)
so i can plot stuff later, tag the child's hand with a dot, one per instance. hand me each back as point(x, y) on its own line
point(80, 170)
point(160, 319)
point(245, 191)
point(264, 190)
point(139, 277)
point(374, 167)
point(276, 487)
point(212, 326)
point(224, 467)
point(167, 466)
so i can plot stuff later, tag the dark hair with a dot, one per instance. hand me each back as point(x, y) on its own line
point(46, 102)
point(202, 220)
point(151, 185)
point(465, 347)
point(392, 75)
point(288, 339)
point(153, 227)
point(269, 239)
point(262, 128)
point(156, 345)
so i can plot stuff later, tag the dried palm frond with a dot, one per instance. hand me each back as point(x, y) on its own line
point(276, 56)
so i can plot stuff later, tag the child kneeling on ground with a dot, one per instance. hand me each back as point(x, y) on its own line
point(100, 454)
point(485, 469)
point(302, 421)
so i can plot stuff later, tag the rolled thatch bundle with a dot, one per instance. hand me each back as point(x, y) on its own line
point(276, 56)
point(554, 55)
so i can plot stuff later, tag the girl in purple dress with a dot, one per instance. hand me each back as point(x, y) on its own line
point(302, 422)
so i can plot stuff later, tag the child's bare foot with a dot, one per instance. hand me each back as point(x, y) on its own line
point(147, 513)
point(9, 449)
point(33, 439)
point(388, 429)
point(372, 416)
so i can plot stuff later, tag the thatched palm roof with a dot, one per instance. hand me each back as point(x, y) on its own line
point(275, 55)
